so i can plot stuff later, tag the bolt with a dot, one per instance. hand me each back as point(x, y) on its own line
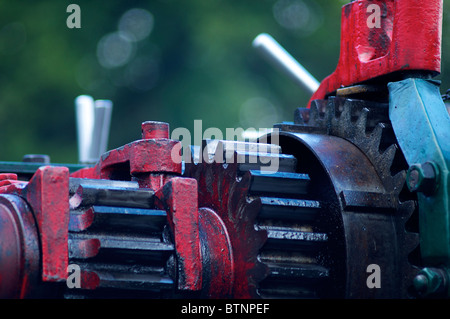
point(423, 178)
point(431, 281)
point(421, 284)
point(153, 129)
point(36, 158)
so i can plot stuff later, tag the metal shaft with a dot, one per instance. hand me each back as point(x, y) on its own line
point(277, 55)
point(103, 111)
point(85, 114)
point(93, 124)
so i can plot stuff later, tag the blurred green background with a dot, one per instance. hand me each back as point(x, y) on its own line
point(166, 60)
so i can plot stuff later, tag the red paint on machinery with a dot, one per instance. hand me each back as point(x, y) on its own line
point(368, 52)
point(48, 195)
point(179, 197)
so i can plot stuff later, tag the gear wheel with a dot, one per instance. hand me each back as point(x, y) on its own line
point(366, 125)
point(119, 240)
point(310, 230)
point(278, 246)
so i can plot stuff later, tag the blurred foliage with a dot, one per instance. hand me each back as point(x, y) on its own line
point(197, 63)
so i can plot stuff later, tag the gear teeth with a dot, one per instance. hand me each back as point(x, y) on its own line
point(301, 116)
point(278, 247)
point(398, 181)
point(376, 135)
point(361, 123)
point(385, 161)
point(410, 243)
point(317, 112)
point(407, 208)
point(389, 154)
point(366, 125)
point(314, 114)
point(345, 117)
point(119, 239)
point(223, 189)
point(333, 127)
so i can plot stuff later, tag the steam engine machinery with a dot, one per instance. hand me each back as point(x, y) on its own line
point(358, 205)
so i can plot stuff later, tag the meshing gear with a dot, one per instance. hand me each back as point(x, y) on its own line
point(312, 228)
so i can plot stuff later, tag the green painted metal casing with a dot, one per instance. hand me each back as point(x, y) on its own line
point(422, 126)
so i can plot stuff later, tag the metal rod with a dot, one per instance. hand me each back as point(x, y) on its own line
point(85, 115)
point(103, 111)
point(277, 55)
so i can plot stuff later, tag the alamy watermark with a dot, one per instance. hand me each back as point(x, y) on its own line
point(374, 279)
point(235, 146)
point(74, 276)
point(374, 19)
point(74, 18)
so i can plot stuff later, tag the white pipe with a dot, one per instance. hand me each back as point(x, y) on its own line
point(276, 54)
point(85, 115)
point(104, 108)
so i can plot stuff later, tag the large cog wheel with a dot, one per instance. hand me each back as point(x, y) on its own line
point(277, 247)
point(366, 125)
point(295, 233)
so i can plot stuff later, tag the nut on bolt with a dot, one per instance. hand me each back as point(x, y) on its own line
point(432, 281)
point(423, 178)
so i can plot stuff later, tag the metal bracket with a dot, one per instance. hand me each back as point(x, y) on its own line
point(422, 127)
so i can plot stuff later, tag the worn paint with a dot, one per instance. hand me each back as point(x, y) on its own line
point(366, 53)
point(48, 195)
point(179, 198)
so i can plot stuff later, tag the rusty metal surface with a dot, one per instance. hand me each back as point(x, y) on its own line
point(19, 249)
point(122, 250)
point(150, 161)
point(90, 195)
point(221, 189)
point(368, 197)
point(179, 198)
point(217, 255)
point(48, 195)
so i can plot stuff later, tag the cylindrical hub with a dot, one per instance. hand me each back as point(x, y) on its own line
point(154, 129)
point(19, 251)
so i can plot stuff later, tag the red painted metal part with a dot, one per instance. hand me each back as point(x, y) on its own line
point(152, 129)
point(143, 156)
point(150, 161)
point(155, 162)
point(179, 197)
point(223, 191)
point(19, 249)
point(48, 195)
point(217, 255)
point(10, 185)
point(409, 39)
point(203, 245)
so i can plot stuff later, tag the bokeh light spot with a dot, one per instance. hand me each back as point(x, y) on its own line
point(137, 23)
point(115, 50)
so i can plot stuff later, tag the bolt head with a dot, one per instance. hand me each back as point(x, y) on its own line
point(414, 179)
point(421, 283)
point(431, 281)
point(423, 178)
point(36, 158)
